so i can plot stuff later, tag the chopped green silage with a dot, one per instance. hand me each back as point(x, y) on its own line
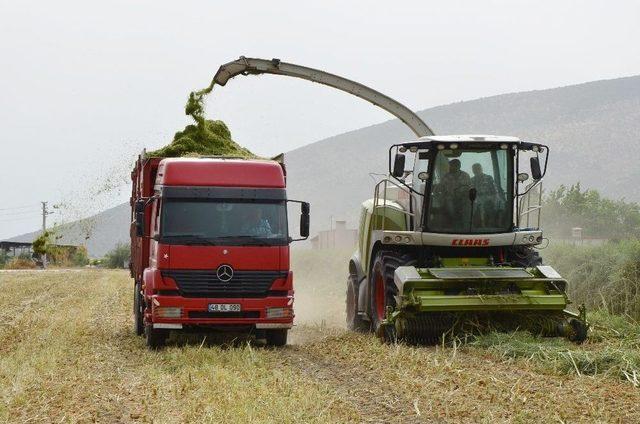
point(611, 349)
point(204, 138)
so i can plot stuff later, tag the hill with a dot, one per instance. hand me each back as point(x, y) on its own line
point(592, 129)
point(99, 233)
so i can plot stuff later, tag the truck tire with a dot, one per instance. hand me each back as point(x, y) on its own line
point(155, 338)
point(382, 289)
point(138, 310)
point(354, 320)
point(276, 337)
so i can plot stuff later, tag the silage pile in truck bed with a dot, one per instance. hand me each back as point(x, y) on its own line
point(206, 137)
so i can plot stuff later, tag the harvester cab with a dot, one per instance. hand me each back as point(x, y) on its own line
point(448, 243)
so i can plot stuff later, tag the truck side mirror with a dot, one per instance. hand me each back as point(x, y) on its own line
point(139, 223)
point(398, 165)
point(536, 173)
point(304, 220)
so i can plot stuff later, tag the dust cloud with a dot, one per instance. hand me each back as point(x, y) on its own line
point(320, 281)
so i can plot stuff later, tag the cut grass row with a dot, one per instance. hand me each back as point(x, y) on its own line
point(612, 349)
point(68, 353)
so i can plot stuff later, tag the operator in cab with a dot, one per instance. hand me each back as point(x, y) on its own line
point(255, 224)
point(456, 184)
point(487, 197)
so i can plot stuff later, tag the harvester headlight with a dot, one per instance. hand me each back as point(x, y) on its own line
point(453, 146)
point(386, 239)
point(536, 148)
point(531, 238)
point(504, 146)
point(168, 312)
point(402, 149)
point(398, 239)
point(407, 239)
point(440, 146)
point(413, 149)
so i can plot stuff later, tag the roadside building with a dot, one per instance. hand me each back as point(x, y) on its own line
point(339, 237)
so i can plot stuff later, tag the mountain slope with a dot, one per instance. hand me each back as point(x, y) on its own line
point(99, 233)
point(592, 129)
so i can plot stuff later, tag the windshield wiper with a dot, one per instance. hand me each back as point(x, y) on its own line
point(253, 240)
point(191, 239)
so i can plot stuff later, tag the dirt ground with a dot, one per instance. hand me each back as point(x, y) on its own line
point(68, 354)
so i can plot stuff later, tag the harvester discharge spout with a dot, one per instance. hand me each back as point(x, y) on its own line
point(254, 66)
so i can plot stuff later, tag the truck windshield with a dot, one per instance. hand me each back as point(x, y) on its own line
point(469, 192)
point(221, 222)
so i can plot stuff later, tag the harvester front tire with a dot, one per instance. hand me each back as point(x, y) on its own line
point(579, 331)
point(354, 321)
point(138, 310)
point(383, 288)
point(155, 338)
point(276, 338)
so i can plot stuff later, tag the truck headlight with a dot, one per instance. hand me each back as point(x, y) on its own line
point(168, 312)
point(279, 312)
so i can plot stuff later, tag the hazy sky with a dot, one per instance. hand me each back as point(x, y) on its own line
point(85, 85)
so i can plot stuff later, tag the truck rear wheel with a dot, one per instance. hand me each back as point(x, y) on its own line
point(138, 310)
point(276, 337)
point(382, 287)
point(155, 338)
point(354, 320)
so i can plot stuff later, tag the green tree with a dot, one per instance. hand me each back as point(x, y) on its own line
point(43, 244)
point(4, 258)
point(568, 207)
point(118, 256)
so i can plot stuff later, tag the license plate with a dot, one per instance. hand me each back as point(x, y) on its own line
point(224, 307)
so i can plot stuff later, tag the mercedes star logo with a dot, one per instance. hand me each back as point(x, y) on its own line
point(224, 273)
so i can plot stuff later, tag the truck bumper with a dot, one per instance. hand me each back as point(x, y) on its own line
point(176, 312)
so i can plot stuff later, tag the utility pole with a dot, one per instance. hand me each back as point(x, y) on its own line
point(44, 230)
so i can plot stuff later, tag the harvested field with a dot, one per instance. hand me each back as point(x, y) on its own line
point(69, 354)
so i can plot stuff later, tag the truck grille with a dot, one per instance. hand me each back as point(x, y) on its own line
point(205, 283)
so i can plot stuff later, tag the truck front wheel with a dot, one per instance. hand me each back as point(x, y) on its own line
point(155, 338)
point(276, 337)
point(138, 310)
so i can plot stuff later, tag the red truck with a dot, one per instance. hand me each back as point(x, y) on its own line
point(210, 247)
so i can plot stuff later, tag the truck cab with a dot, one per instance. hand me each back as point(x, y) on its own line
point(210, 247)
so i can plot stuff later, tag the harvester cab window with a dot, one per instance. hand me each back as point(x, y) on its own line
point(420, 166)
point(468, 192)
